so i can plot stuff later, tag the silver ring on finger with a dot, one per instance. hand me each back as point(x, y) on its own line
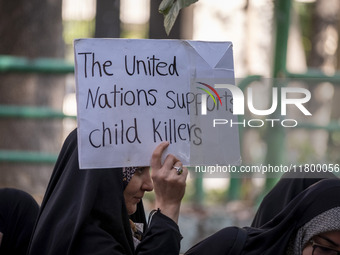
point(179, 169)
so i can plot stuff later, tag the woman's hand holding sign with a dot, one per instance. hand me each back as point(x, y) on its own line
point(169, 181)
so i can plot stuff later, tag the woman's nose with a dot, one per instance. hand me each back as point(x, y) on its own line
point(147, 184)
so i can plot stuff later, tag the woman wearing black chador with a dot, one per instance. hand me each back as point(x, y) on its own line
point(100, 211)
point(308, 225)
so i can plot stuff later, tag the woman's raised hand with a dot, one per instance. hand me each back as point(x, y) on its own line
point(169, 180)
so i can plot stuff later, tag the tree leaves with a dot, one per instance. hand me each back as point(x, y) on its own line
point(170, 9)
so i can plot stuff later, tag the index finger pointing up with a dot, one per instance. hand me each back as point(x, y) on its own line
point(156, 158)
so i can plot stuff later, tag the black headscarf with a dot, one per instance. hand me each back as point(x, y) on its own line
point(290, 185)
point(83, 211)
point(274, 237)
point(18, 212)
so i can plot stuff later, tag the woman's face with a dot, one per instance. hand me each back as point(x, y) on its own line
point(134, 191)
point(325, 244)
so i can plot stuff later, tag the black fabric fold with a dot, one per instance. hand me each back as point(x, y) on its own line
point(83, 211)
point(289, 186)
point(18, 213)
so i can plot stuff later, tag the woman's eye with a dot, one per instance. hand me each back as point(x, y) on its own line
point(324, 251)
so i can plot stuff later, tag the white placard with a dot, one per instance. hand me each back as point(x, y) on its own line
point(133, 94)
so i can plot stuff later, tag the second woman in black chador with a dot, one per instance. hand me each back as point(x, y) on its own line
point(309, 224)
